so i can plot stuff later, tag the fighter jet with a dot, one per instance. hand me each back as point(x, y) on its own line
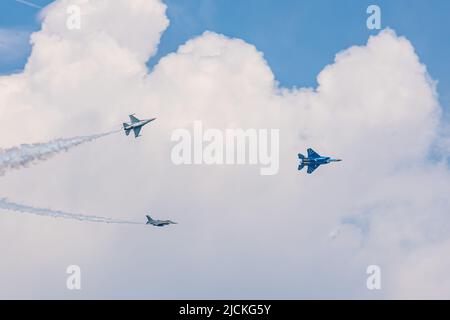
point(159, 223)
point(313, 161)
point(135, 125)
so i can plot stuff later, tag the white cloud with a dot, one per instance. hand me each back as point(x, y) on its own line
point(240, 235)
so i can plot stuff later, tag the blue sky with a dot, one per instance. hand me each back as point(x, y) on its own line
point(298, 38)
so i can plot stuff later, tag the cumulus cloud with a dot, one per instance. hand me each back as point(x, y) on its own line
point(241, 235)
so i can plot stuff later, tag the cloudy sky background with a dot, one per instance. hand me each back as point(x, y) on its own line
point(241, 235)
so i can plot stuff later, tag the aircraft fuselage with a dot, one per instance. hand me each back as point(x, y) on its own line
point(139, 124)
point(159, 223)
point(319, 161)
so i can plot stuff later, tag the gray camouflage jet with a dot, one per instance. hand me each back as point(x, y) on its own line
point(135, 125)
point(159, 223)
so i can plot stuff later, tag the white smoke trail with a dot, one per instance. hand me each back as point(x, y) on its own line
point(8, 205)
point(27, 154)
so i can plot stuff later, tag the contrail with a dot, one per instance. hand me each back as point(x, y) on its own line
point(27, 154)
point(30, 4)
point(8, 205)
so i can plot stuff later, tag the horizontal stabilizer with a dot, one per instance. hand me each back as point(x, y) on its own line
point(312, 168)
point(125, 127)
point(300, 167)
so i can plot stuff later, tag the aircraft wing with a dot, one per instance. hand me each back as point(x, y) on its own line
point(312, 154)
point(133, 119)
point(312, 168)
point(137, 131)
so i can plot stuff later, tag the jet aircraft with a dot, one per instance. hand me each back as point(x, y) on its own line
point(313, 161)
point(159, 223)
point(135, 125)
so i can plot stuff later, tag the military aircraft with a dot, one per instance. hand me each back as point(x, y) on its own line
point(313, 161)
point(135, 125)
point(159, 223)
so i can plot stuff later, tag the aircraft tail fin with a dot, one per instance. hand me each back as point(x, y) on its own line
point(126, 127)
point(149, 219)
point(302, 165)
